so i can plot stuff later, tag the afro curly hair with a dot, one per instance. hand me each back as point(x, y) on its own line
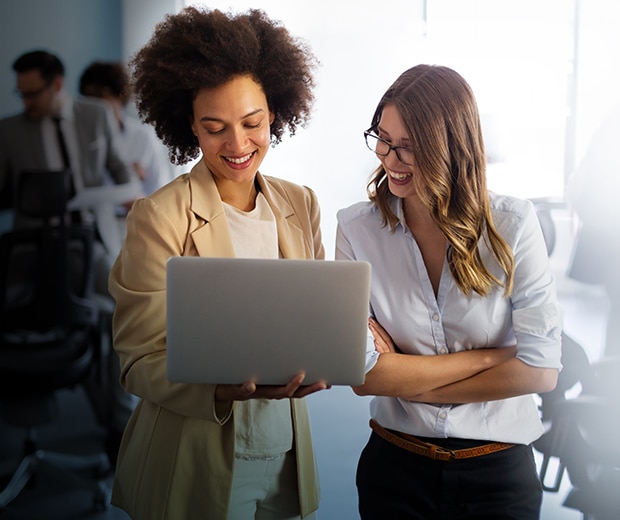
point(203, 48)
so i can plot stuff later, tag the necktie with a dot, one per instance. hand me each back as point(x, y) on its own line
point(62, 144)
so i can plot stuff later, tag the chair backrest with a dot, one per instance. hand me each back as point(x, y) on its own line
point(576, 369)
point(46, 278)
point(43, 194)
point(46, 271)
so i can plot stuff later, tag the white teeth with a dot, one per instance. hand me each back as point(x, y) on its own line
point(399, 176)
point(239, 160)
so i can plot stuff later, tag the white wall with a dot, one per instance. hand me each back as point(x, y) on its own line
point(81, 32)
point(139, 20)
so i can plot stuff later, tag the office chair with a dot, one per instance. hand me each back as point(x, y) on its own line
point(544, 207)
point(592, 457)
point(576, 371)
point(49, 330)
point(581, 433)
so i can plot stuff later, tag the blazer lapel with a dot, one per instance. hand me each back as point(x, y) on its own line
point(290, 233)
point(213, 238)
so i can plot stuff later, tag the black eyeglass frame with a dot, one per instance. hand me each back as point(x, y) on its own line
point(371, 133)
point(34, 94)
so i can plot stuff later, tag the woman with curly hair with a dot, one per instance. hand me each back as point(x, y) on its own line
point(458, 272)
point(226, 86)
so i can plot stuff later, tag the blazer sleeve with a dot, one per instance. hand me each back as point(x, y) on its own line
point(138, 284)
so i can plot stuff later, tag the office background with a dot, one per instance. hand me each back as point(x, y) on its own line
point(542, 70)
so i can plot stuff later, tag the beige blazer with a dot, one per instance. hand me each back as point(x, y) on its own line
point(177, 454)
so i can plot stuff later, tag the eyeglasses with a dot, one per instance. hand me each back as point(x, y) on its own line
point(381, 147)
point(32, 94)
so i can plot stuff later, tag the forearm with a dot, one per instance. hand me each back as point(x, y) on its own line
point(509, 379)
point(406, 375)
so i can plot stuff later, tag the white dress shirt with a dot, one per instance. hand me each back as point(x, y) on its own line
point(404, 303)
point(139, 144)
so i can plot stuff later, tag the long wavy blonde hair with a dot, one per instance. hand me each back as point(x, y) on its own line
point(440, 113)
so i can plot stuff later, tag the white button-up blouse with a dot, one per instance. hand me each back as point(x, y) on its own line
point(403, 302)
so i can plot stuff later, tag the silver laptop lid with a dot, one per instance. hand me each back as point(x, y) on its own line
point(233, 319)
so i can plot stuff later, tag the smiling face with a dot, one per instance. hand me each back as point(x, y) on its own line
point(399, 175)
point(231, 122)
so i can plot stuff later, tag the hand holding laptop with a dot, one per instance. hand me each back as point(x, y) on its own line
point(250, 390)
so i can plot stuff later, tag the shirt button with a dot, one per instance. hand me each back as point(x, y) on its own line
point(435, 317)
point(443, 350)
point(443, 415)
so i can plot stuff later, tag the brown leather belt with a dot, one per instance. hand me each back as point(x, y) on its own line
point(432, 451)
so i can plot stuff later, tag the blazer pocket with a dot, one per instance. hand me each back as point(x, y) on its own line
point(97, 144)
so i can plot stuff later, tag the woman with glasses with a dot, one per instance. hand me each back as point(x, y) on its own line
point(227, 87)
point(465, 319)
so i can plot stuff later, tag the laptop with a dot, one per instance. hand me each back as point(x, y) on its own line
point(234, 319)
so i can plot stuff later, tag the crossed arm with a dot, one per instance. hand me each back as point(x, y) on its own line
point(462, 377)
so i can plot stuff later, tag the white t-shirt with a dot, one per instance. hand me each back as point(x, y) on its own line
point(263, 426)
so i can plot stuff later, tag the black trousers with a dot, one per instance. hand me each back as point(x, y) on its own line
point(395, 484)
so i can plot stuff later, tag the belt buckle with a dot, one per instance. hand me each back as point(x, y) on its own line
point(439, 452)
point(446, 452)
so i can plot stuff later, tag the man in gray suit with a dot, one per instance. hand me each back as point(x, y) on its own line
point(29, 141)
point(57, 132)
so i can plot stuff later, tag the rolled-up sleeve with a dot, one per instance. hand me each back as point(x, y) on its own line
point(537, 316)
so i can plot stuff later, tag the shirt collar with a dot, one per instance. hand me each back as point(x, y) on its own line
point(396, 205)
point(65, 102)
